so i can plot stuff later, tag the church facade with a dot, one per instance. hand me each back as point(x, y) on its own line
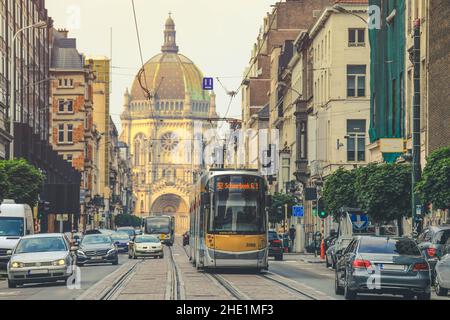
point(164, 117)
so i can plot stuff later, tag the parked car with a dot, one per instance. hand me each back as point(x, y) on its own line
point(93, 231)
point(40, 258)
point(128, 230)
point(146, 246)
point(383, 265)
point(442, 283)
point(186, 238)
point(121, 240)
point(275, 246)
point(97, 248)
point(338, 244)
point(432, 243)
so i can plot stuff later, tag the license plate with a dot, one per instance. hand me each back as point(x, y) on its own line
point(393, 267)
point(96, 258)
point(37, 271)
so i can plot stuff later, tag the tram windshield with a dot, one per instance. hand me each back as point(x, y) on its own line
point(238, 205)
point(157, 225)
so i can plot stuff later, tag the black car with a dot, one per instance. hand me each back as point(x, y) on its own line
point(383, 265)
point(121, 240)
point(128, 230)
point(276, 248)
point(97, 249)
point(432, 243)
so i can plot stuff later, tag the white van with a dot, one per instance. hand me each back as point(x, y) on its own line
point(16, 221)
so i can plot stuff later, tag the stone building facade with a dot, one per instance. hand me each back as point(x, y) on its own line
point(165, 115)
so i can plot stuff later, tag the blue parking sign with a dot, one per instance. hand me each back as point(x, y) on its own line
point(298, 211)
point(208, 84)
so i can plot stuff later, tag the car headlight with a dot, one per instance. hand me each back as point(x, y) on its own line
point(60, 262)
point(16, 265)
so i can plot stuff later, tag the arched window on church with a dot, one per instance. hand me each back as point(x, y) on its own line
point(157, 106)
point(167, 106)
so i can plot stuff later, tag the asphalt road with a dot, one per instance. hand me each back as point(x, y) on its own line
point(90, 275)
point(320, 278)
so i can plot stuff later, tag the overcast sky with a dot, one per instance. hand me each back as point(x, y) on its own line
point(216, 34)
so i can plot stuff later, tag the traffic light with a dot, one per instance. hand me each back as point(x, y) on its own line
point(43, 209)
point(322, 212)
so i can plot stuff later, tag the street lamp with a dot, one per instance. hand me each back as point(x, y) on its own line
point(341, 9)
point(12, 76)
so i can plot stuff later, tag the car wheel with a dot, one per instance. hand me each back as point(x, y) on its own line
point(161, 256)
point(424, 296)
point(442, 292)
point(115, 262)
point(12, 284)
point(349, 294)
point(337, 288)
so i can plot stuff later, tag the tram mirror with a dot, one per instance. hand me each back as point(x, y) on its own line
point(205, 199)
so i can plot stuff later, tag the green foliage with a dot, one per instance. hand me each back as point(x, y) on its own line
point(20, 181)
point(434, 188)
point(384, 191)
point(127, 220)
point(339, 191)
point(279, 200)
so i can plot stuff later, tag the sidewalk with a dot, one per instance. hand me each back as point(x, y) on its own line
point(305, 257)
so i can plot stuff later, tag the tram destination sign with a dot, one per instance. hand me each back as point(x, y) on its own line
point(237, 186)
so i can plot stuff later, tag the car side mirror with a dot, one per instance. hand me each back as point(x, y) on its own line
point(9, 252)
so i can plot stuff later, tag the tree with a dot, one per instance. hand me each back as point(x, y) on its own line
point(20, 181)
point(127, 220)
point(279, 200)
point(339, 191)
point(434, 188)
point(384, 191)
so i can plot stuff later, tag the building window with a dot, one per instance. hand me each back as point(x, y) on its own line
point(69, 105)
point(356, 37)
point(286, 169)
point(70, 133)
point(303, 150)
point(61, 133)
point(356, 140)
point(61, 104)
point(356, 80)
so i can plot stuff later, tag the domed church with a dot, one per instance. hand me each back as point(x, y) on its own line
point(164, 118)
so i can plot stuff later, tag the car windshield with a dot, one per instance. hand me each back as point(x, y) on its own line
point(33, 245)
point(96, 239)
point(389, 246)
point(129, 232)
point(148, 239)
point(442, 237)
point(11, 227)
point(120, 236)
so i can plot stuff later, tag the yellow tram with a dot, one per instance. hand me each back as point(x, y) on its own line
point(229, 221)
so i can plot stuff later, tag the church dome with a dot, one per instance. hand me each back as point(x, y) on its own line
point(170, 75)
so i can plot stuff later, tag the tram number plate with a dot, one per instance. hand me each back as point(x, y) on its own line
point(252, 245)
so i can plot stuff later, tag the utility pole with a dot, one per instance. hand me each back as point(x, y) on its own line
point(285, 217)
point(416, 154)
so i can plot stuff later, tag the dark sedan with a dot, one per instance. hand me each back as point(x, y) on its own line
point(275, 246)
point(97, 249)
point(432, 243)
point(383, 265)
point(121, 240)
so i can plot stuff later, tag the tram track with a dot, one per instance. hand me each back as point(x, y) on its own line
point(117, 286)
point(175, 285)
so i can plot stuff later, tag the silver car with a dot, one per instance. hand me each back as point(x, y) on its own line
point(40, 258)
point(442, 284)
